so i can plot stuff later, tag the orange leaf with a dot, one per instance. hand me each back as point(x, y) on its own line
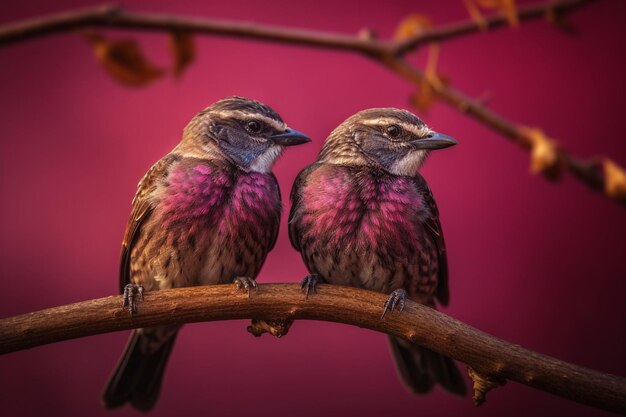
point(475, 14)
point(544, 154)
point(426, 94)
point(412, 25)
point(123, 60)
point(614, 180)
point(183, 50)
point(424, 97)
point(427, 88)
point(431, 63)
point(506, 7)
point(510, 11)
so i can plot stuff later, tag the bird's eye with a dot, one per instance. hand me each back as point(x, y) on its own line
point(253, 126)
point(393, 131)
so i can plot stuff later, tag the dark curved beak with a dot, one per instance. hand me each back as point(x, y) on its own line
point(290, 137)
point(435, 141)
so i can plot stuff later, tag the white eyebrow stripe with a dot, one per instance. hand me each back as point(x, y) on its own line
point(247, 115)
point(420, 131)
point(380, 121)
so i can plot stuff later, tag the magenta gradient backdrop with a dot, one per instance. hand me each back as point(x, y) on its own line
point(534, 263)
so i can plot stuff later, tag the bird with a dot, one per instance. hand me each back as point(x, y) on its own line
point(206, 213)
point(363, 216)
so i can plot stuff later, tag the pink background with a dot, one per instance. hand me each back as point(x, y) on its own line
point(534, 263)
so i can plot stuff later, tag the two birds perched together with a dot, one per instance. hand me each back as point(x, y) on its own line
point(209, 211)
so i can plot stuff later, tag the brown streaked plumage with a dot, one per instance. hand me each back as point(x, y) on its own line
point(206, 213)
point(363, 216)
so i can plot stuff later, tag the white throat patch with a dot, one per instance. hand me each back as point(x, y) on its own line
point(265, 161)
point(410, 163)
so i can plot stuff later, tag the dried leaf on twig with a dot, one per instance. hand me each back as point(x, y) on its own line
point(428, 87)
point(412, 25)
point(424, 97)
point(544, 153)
point(506, 7)
point(183, 50)
point(124, 60)
point(475, 14)
point(614, 180)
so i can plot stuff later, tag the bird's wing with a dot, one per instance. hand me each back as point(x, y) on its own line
point(275, 231)
point(296, 200)
point(432, 225)
point(141, 211)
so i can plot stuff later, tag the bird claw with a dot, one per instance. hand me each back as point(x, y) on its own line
point(247, 283)
point(309, 283)
point(132, 293)
point(396, 299)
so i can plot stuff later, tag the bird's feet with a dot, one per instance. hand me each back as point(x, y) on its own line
point(247, 283)
point(396, 299)
point(132, 294)
point(309, 284)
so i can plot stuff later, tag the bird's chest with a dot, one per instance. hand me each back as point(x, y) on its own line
point(362, 215)
point(222, 224)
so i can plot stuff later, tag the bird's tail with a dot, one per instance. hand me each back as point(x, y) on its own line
point(421, 368)
point(138, 375)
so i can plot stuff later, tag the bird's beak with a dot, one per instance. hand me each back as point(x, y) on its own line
point(435, 141)
point(290, 137)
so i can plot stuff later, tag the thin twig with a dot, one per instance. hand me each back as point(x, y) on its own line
point(487, 355)
point(446, 32)
point(115, 17)
point(388, 53)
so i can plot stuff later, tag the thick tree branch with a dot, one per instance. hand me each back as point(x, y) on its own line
point(491, 358)
point(388, 53)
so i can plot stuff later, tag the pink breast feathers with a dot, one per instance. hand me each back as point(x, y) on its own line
point(362, 211)
point(218, 200)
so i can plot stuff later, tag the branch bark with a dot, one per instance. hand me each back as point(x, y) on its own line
point(488, 356)
point(388, 53)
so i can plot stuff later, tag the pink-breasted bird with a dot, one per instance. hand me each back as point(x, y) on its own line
point(363, 216)
point(206, 213)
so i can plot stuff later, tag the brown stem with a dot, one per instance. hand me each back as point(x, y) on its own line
point(281, 303)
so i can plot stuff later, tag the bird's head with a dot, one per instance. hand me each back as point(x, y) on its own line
point(392, 139)
point(249, 133)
